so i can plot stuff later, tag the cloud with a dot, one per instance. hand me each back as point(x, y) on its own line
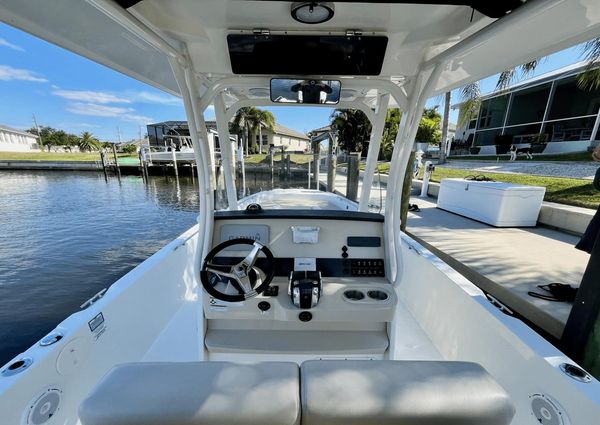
point(92, 109)
point(89, 96)
point(8, 73)
point(8, 44)
point(106, 97)
point(77, 125)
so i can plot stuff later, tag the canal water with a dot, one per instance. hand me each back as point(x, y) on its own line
point(64, 236)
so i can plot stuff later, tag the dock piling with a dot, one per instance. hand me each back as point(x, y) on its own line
point(117, 169)
point(103, 159)
point(174, 156)
point(352, 177)
point(331, 165)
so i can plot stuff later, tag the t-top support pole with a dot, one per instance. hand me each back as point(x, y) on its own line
point(201, 152)
point(373, 152)
point(226, 152)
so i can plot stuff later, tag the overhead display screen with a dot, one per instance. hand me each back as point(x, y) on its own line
point(306, 54)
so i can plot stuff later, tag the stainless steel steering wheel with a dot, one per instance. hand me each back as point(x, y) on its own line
point(233, 280)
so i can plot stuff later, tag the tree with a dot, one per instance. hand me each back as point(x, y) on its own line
point(244, 121)
point(589, 79)
point(45, 134)
point(263, 119)
point(353, 128)
point(88, 142)
point(129, 148)
point(429, 127)
point(390, 131)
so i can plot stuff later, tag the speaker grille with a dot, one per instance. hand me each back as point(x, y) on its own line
point(43, 407)
point(547, 411)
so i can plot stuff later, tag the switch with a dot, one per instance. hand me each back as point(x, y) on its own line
point(271, 291)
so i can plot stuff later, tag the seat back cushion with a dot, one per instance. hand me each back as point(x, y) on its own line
point(195, 393)
point(353, 392)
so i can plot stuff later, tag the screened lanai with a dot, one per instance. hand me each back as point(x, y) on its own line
point(550, 114)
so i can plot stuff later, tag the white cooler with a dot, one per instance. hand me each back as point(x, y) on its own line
point(496, 203)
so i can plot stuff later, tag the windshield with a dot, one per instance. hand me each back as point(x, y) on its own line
point(322, 167)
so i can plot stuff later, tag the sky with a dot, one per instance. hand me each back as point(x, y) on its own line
point(72, 93)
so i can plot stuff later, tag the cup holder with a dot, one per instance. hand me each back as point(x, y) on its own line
point(17, 366)
point(354, 295)
point(378, 295)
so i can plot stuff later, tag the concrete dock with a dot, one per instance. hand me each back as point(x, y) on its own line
point(506, 263)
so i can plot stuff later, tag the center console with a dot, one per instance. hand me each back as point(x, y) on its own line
point(329, 295)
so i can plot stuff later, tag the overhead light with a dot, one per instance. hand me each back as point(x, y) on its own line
point(312, 12)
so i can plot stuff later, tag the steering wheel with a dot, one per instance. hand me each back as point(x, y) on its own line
point(239, 281)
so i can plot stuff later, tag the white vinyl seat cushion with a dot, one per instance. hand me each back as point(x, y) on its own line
point(363, 392)
point(214, 393)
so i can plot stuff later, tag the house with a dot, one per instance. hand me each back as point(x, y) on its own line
point(13, 140)
point(293, 140)
point(281, 136)
point(549, 113)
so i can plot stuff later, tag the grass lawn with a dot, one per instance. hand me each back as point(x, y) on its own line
point(577, 156)
point(59, 156)
point(577, 192)
point(295, 158)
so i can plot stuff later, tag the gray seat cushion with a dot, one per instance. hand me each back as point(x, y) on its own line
point(195, 393)
point(336, 392)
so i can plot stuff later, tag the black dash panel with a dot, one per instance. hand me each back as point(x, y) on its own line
point(364, 241)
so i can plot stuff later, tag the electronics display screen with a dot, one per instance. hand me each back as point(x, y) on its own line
point(306, 54)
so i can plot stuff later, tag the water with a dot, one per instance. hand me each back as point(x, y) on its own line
point(66, 235)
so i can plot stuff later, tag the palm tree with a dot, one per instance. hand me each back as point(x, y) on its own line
point(263, 119)
point(88, 142)
point(244, 121)
point(589, 79)
point(353, 127)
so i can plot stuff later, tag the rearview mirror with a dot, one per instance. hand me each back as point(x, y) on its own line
point(325, 92)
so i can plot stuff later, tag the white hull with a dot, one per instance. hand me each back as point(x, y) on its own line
point(154, 313)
